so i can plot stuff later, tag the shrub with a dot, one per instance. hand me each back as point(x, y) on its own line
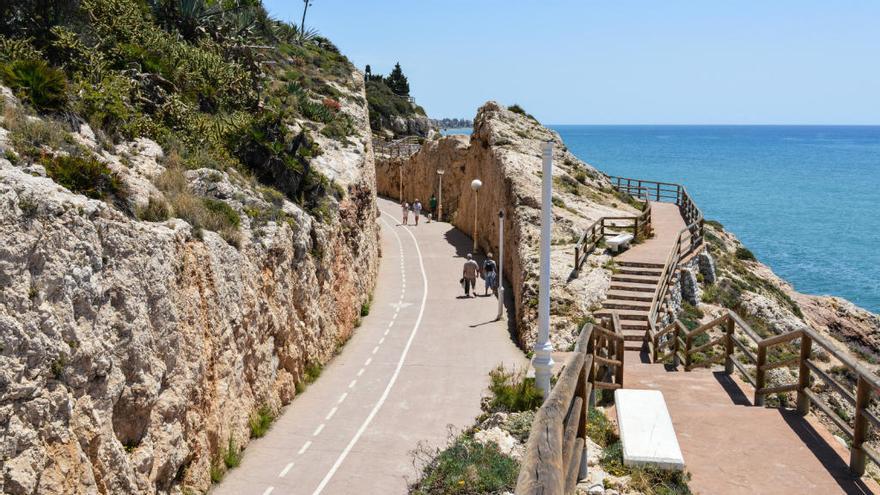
point(512, 391)
point(157, 210)
point(465, 467)
point(28, 135)
point(42, 86)
point(261, 421)
point(232, 455)
point(744, 254)
point(714, 223)
point(648, 481)
point(365, 308)
point(85, 175)
point(600, 429)
point(201, 213)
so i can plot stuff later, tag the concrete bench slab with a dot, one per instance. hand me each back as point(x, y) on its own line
point(646, 432)
point(618, 241)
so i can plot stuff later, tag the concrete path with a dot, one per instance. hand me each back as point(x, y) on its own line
point(419, 362)
point(731, 447)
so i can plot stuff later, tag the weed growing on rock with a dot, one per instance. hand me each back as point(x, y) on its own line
point(85, 175)
point(232, 454)
point(744, 254)
point(261, 421)
point(465, 467)
point(157, 210)
point(512, 391)
point(600, 429)
point(34, 81)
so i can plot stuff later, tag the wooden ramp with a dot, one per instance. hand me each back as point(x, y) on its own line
point(731, 447)
point(639, 269)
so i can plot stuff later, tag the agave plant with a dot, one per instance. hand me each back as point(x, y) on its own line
point(42, 86)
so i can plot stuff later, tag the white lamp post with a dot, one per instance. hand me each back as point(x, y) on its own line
point(440, 199)
point(500, 264)
point(543, 361)
point(476, 184)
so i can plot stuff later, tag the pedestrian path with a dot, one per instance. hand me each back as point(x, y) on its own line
point(418, 363)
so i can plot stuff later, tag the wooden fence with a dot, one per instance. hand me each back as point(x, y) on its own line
point(400, 148)
point(676, 342)
point(640, 225)
point(555, 457)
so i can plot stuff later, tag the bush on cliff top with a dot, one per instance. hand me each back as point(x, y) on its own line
point(465, 467)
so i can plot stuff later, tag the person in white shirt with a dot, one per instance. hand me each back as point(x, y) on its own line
point(417, 210)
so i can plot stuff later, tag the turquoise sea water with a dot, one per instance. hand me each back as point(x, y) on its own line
point(804, 199)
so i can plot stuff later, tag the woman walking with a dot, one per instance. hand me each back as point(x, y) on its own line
point(405, 206)
point(417, 210)
point(490, 274)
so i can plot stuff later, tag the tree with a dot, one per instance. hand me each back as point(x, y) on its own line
point(302, 27)
point(397, 81)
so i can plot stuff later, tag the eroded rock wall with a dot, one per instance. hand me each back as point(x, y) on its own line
point(504, 152)
point(133, 353)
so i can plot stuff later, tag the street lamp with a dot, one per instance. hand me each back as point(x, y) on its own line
point(543, 361)
point(476, 184)
point(440, 200)
point(500, 264)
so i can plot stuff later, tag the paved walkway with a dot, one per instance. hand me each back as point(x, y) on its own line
point(419, 362)
point(732, 447)
point(667, 223)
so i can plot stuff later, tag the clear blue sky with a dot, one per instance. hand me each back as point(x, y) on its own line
point(621, 62)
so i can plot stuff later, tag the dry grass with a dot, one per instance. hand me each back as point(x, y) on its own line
point(201, 213)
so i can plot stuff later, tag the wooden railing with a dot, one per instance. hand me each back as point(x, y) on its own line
point(666, 192)
point(676, 342)
point(555, 457)
point(609, 226)
point(400, 148)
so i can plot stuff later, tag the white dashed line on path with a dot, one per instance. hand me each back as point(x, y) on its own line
point(375, 349)
point(342, 398)
point(304, 448)
point(286, 470)
point(318, 430)
point(331, 413)
point(268, 490)
point(360, 372)
point(400, 362)
point(352, 384)
point(368, 361)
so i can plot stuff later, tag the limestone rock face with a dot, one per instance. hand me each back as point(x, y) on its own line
point(504, 152)
point(133, 352)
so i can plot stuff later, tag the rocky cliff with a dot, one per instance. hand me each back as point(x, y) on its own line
point(133, 353)
point(504, 152)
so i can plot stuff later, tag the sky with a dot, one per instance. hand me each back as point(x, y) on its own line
point(623, 61)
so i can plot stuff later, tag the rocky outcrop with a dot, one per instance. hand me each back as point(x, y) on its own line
point(134, 353)
point(504, 152)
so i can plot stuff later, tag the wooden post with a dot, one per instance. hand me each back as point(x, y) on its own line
point(620, 353)
point(636, 229)
point(676, 360)
point(730, 325)
point(759, 375)
point(577, 257)
point(591, 372)
point(582, 424)
point(860, 431)
point(803, 402)
point(687, 353)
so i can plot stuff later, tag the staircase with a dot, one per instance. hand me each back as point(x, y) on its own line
point(633, 286)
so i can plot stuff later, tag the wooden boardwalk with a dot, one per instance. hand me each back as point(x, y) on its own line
point(732, 447)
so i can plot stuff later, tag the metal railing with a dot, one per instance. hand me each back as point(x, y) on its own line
point(399, 148)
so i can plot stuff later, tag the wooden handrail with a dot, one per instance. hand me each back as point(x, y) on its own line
point(641, 224)
point(867, 382)
point(555, 457)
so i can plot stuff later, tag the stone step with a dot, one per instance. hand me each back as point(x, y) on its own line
point(624, 314)
point(626, 304)
point(633, 286)
point(629, 295)
point(633, 270)
point(640, 264)
point(641, 279)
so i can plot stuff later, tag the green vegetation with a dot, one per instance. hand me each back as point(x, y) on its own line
point(261, 421)
point(217, 83)
point(600, 429)
point(365, 308)
point(742, 253)
point(200, 212)
point(512, 391)
point(465, 467)
point(232, 455)
point(36, 83)
point(85, 175)
point(714, 223)
point(515, 108)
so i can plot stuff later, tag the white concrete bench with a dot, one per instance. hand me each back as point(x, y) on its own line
point(646, 432)
point(618, 241)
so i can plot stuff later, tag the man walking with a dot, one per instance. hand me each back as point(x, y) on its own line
point(417, 210)
point(469, 275)
point(405, 207)
point(490, 275)
point(432, 203)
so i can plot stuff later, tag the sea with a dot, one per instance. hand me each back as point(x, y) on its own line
point(804, 199)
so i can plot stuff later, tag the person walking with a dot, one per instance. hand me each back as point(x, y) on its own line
point(490, 275)
point(432, 203)
point(417, 210)
point(469, 275)
point(405, 206)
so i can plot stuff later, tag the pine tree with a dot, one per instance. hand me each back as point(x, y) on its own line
point(397, 81)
